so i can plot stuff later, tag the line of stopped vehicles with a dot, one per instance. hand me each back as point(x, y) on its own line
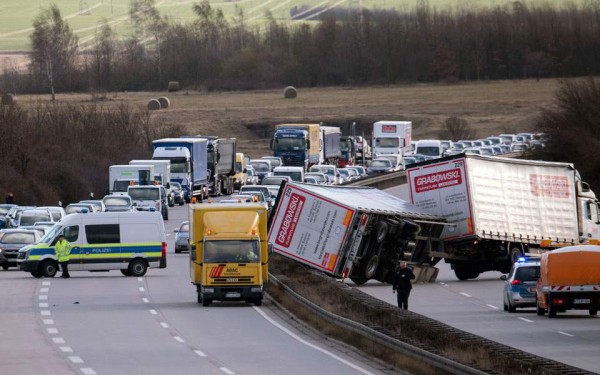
point(467, 206)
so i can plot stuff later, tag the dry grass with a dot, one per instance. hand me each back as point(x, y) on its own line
point(490, 108)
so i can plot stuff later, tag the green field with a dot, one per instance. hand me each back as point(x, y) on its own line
point(84, 16)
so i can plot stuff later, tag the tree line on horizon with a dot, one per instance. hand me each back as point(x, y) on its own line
point(361, 48)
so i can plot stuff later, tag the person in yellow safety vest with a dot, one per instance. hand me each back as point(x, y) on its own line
point(63, 250)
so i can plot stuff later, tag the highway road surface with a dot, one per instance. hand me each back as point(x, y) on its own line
point(105, 323)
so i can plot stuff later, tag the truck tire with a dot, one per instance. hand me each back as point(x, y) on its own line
point(514, 254)
point(48, 268)
point(358, 280)
point(594, 311)
point(126, 272)
point(539, 310)
point(551, 310)
point(36, 274)
point(206, 302)
point(258, 302)
point(462, 273)
point(371, 266)
point(199, 298)
point(380, 229)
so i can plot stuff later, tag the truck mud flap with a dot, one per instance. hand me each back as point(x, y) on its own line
point(425, 273)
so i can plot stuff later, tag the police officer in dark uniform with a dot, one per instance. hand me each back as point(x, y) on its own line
point(402, 285)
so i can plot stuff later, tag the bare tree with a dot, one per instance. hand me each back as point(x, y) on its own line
point(54, 47)
point(456, 128)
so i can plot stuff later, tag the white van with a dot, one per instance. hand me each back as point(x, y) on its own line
point(130, 242)
point(430, 148)
point(295, 173)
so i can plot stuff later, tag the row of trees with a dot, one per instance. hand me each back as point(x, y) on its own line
point(359, 49)
point(62, 152)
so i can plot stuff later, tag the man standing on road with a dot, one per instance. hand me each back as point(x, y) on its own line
point(402, 285)
point(63, 250)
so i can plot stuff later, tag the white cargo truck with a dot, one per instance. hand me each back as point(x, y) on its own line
point(162, 170)
point(391, 137)
point(502, 208)
point(355, 232)
point(121, 176)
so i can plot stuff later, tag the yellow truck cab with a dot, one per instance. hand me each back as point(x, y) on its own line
point(228, 251)
point(240, 177)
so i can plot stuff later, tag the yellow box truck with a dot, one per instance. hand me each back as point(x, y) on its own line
point(239, 179)
point(229, 251)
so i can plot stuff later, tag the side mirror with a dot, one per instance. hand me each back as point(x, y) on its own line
point(176, 230)
point(503, 277)
point(193, 252)
point(308, 144)
point(168, 185)
point(270, 248)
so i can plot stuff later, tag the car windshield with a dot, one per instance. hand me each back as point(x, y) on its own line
point(231, 251)
point(381, 163)
point(30, 217)
point(317, 177)
point(527, 273)
point(328, 171)
point(344, 173)
point(18, 237)
point(260, 166)
point(296, 176)
point(428, 150)
point(175, 186)
point(274, 180)
point(117, 201)
point(144, 194)
point(459, 146)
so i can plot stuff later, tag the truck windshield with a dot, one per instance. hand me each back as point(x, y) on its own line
point(295, 176)
point(387, 142)
point(289, 144)
point(144, 194)
point(227, 251)
point(120, 186)
point(178, 165)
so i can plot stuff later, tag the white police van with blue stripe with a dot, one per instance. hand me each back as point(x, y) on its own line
point(130, 242)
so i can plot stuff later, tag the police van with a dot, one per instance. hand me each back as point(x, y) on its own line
point(130, 242)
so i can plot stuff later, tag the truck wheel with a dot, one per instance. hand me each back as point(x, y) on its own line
point(205, 302)
point(515, 254)
point(371, 267)
point(593, 312)
point(137, 268)
point(258, 302)
point(380, 229)
point(358, 280)
point(36, 274)
point(48, 268)
point(199, 298)
point(539, 310)
point(462, 273)
point(5, 266)
point(551, 310)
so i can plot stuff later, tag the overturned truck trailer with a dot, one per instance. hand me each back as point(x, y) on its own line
point(351, 231)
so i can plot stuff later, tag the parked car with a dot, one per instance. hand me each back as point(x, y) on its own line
point(310, 180)
point(519, 147)
point(251, 176)
point(362, 171)
point(408, 160)
point(275, 161)
point(348, 174)
point(487, 150)
point(321, 178)
point(182, 237)
point(4, 210)
point(520, 285)
point(118, 203)
point(11, 240)
point(13, 215)
point(57, 212)
point(261, 189)
point(379, 165)
point(473, 151)
point(507, 139)
point(275, 180)
point(178, 193)
point(29, 217)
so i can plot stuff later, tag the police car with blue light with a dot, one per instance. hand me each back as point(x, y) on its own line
point(520, 284)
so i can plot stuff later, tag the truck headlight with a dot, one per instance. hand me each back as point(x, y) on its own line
point(256, 289)
point(208, 290)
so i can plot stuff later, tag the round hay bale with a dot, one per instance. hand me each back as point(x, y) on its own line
point(8, 99)
point(173, 86)
point(164, 102)
point(153, 104)
point(290, 92)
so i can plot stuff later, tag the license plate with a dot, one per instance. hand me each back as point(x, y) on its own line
point(232, 295)
point(581, 300)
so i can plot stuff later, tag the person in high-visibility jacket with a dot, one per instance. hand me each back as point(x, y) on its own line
point(63, 250)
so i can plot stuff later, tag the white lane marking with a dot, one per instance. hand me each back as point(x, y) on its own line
point(566, 334)
point(140, 279)
point(88, 371)
point(200, 353)
point(44, 290)
point(142, 289)
point(153, 312)
point(177, 338)
point(66, 349)
point(75, 359)
point(493, 307)
point(465, 294)
point(42, 297)
point(145, 300)
point(526, 320)
point(52, 331)
point(48, 321)
point(44, 304)
point(45, 312)
point(164, 325)
point(226, 370)
point(296, 337)
point(58, 340)
point(46, 283)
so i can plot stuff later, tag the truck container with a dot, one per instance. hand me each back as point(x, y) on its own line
point(569, 280)
point(121, 176)
point(229, 251)
point(297, 144)
point(330, 144)
point(188, 158)
point(221, 164)
point(162, 175)
point(391, 137)
point(355, 232)
point(502, 208)
point(240, 177)
point(348, 151)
